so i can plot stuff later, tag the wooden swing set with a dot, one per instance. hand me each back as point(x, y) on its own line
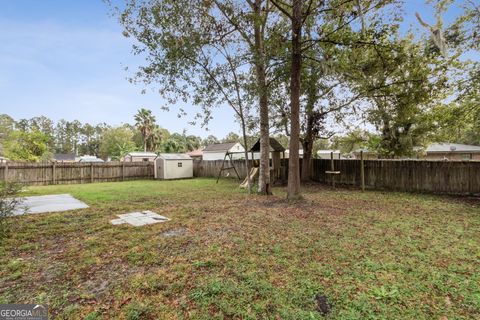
point(277, 171)
point(332, 172)
point(223, 168)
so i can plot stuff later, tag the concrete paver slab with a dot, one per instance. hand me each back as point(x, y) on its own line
point(49, 203)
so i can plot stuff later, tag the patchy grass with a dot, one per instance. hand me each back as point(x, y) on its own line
point(227, 255)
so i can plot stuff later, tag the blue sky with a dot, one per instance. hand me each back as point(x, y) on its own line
point(66, 59)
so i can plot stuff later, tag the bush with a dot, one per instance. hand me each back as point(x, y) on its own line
point(9, 202)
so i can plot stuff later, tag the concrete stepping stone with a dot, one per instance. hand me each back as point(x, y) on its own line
point(139, 219)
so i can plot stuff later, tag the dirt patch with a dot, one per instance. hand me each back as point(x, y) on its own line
point(174, 232)
point(323, 306)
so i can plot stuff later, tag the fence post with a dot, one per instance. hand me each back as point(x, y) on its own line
point(332, 167)
point(91, 172)
point(362, 171)
point(53, 172)
point(123, 171)
point(6, 172)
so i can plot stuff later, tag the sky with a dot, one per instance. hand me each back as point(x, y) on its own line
point(67, 59)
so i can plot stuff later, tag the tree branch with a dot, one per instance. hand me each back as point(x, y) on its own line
point(278, 4)
point(242, 32)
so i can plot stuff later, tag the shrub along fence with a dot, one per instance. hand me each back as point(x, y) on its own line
point(65, 173)
point(451, 177)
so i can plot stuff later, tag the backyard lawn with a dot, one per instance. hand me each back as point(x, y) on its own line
point(227, 255)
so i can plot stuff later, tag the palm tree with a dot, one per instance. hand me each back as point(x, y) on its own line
point(171, 145)
point(145, 122)
point(192, 142)
point(158, 135)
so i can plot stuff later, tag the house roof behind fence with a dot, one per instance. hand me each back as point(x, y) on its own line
point(327, 151)
point(452, 147)
point(196, 153)
point(220, 146)
point(89, 159)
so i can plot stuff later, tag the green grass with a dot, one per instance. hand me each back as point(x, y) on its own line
point(374, 255)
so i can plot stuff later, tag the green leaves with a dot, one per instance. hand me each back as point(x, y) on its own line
point(9, 202)
point(117, 142)
point(26, 146)
point(385, 293)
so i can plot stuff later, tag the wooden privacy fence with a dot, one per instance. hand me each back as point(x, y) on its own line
point(65, 173)
point(451, 177)
point(210, 168)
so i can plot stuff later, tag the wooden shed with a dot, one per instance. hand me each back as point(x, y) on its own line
point(140, 157)
point(173, 166)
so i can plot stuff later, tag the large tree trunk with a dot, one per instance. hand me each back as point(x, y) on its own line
point(293, 187)
point(264, 175)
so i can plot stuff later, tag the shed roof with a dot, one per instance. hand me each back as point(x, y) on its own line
point(274, 146)
point(220, 146)
point(174, 156)
point(141, 154)
point(452, 147)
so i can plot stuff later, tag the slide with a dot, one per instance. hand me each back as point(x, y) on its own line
point(253, 174)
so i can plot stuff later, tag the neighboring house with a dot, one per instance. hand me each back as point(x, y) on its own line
point(140, 157)
point(452, 151)
point(3, 160)
point(287, 153)
point(217, 151)
point(327, 154)
point(89, 159)
point(367, 154)
point(63, 157)
point(196, 154)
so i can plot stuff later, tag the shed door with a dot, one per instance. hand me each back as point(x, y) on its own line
point(160, 170)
